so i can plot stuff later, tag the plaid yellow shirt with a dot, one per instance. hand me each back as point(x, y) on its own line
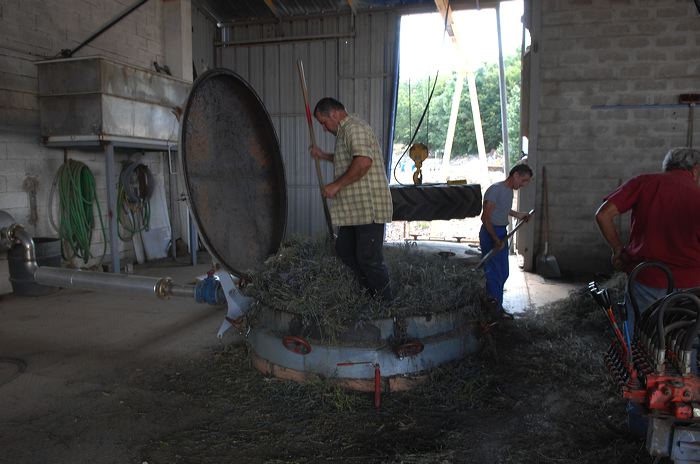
point(368, 200)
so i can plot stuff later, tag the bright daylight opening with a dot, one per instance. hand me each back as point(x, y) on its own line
point(464, 139)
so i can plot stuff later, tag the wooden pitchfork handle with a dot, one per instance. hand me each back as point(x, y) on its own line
point(312, 135)
point(493, 251)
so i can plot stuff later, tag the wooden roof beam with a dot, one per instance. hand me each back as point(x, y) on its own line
point(273, 8)
point(445, 10)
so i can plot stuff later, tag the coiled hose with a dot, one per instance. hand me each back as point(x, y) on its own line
point(670, 283)
point(77, 197)
point(133, 194)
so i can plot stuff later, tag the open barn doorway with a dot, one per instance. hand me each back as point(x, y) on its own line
point(449, 99)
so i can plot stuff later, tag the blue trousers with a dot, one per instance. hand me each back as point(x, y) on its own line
point(496, 268)
point(644, 296)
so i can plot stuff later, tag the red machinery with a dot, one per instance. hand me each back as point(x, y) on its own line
point(653, 359)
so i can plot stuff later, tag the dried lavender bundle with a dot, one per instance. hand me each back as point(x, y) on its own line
point(304, 278)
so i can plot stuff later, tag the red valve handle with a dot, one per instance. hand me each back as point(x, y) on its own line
point(235, 322)
point(296, 345)
point(409, 349)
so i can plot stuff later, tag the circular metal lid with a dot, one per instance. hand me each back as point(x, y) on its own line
point(233, 171)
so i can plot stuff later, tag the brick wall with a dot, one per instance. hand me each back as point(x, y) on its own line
point(609, 52)
point(34, 30)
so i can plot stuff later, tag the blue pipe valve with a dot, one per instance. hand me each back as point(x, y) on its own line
point(209, 291)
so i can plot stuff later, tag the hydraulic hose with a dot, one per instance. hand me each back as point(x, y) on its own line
point(77, 198)
point(649, 318)
point(688, 340)
point(675, 325)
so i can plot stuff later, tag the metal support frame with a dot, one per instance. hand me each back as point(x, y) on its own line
point(526, 197)
point(112, 206)
point(194, 243)
point(503, 93)
point(445, 10)
point(275, 40)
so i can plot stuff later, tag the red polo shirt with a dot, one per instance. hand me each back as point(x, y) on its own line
point(665, 225)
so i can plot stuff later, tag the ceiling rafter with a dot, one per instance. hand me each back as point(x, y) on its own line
point(445, 10)
point(273, 8)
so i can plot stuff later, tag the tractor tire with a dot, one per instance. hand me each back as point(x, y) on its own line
point(435, 202)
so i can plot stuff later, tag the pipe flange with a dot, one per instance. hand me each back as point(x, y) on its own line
point(163, 288)
point(6, 223)
point(5, 239)
point(8, 235)
point(13, 228)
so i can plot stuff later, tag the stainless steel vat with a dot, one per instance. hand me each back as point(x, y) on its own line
point(97, 96)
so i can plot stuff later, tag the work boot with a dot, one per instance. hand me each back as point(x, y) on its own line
point(506, 315)
point(491, 308)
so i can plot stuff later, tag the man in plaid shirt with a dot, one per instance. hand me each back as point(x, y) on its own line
point(361, 203)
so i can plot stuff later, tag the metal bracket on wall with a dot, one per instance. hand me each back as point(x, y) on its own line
point(686, 100)
point(690, 99)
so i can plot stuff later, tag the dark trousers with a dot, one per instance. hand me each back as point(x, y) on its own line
point(360, 248)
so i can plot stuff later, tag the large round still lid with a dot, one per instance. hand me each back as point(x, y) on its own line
point(233, 171)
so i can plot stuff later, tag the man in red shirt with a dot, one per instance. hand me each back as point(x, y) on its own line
point(665, 227)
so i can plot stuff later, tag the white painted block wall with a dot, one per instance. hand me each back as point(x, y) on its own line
point(608, 52)
point(34, 30)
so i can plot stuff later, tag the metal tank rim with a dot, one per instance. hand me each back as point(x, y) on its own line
point(445, 337)
point(415, 326)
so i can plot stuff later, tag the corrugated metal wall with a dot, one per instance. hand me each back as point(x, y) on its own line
point(356, 68)
point(203, 38)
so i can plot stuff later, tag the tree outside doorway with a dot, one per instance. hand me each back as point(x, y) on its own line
point(473, 153)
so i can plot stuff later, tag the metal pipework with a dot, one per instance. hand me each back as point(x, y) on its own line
point(162, 287)
point(12, 233)
point(15, 234)
point(6, 239)
point(24, 239)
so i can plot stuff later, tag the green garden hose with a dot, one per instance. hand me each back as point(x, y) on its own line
point(77, 198)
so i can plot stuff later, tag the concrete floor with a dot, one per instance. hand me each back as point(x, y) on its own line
point(76, 337)
point(70, 344)
point(526, 290)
